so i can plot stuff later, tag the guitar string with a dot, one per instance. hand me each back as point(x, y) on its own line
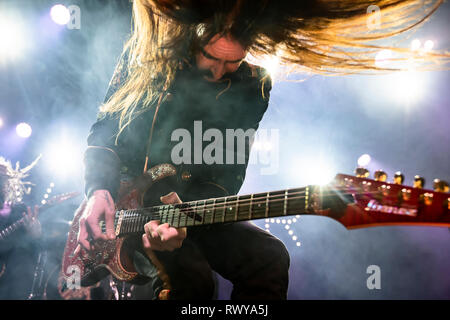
point(189, 206)
point(134, 216)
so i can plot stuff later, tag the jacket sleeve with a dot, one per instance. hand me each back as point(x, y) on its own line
point(101, 159)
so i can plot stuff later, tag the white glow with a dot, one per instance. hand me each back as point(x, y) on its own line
point(415, 44)
point(12, 38)
point(314, 171)
point(383, 58)
point(23, 130)
point(60, 14)
point(63, 157)
point(428, 45)
point(364, 160)
point(1, 122)
point(270, 63)
point(405, 87)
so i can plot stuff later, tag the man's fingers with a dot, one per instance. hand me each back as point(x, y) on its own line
point(36, 211)
point(83, 235)
point(94, 227)
point(109, 223)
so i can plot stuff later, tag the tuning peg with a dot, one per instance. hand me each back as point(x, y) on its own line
point(361, 172)
point(399, 178)
point(419, 182)
point(380, 175)
point(440, 185)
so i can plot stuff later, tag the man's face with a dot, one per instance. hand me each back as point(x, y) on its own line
point(220, 56)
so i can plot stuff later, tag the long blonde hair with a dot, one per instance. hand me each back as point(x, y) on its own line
point(329, 37)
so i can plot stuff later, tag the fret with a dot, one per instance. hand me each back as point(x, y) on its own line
point(172, 215)
point(259, 206)
point(244, 205)
point(296, 201)
point(224, 209)
point(179, 216)
point(230, 212)
point(195, 212)
point(219, 204)
point(285, 202)
point(250, 207)
point(203, 214)
point(267, 205)
point(236, 209)
point(209, 213)
point(214, 210)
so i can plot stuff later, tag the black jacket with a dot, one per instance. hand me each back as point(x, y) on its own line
point(190, 98)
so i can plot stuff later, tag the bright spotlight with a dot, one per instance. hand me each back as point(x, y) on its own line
point(270, 63)
point(63, 158)
point(12, 38)
point(428, 45)
point(314, 171)
point(23, 130)
point(415, 44)
point(1, 122)
point(383, 58)
point(364, 160)
point(405, 87)
point(60, 14)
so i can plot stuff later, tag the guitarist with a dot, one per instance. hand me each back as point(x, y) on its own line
point(213, 84)
point(184, 64)
point(18, 252)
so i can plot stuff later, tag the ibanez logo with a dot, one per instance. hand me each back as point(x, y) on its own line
point(374, 205)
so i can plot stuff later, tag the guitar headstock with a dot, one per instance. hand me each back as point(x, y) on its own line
point(376, 203)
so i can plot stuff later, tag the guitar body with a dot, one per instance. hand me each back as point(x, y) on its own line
point(112, 256)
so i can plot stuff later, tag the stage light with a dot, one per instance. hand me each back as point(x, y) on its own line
point(405, 87)
point(383, 58)
point(314, 171)
point(270, 63)
point(416, 44)
point(428, 45)
point(12, 38)
point(23, 130)
point(63, 158)
point(364, 160)
point(1, 122)
point(60, 14)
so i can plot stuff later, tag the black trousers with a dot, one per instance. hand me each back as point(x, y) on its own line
point(255, 262)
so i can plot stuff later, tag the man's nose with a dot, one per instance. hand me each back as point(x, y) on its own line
point(218, 71)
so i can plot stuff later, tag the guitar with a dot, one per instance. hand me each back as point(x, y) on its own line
point(353, 202)
point(7, 232)
point(10, 230)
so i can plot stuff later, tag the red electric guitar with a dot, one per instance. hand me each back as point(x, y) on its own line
point(353, 202)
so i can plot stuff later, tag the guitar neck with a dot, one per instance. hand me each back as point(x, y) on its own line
point(216, 210)
point(5, 233)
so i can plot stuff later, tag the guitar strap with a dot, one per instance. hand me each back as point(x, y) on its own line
point(149, 141)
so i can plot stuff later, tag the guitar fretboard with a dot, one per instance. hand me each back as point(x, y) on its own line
point(216, 210)
point(5, 233)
